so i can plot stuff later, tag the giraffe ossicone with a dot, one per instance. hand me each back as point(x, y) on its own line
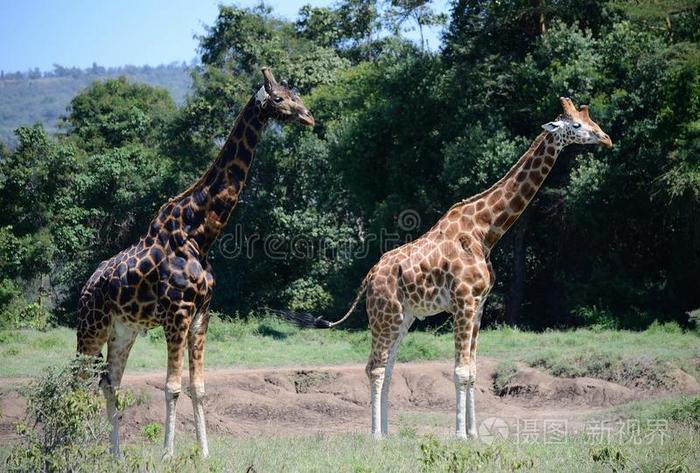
point(165, 279)
point(448, 269)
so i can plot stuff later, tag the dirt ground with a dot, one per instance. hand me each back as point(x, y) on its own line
point(335, 399)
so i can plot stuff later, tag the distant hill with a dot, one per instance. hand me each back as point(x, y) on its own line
point(34, 96)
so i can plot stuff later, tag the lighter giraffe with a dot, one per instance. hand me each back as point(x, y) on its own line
point(165, 279)
point(448, 270)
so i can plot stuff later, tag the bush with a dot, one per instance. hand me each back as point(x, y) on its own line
point(15, 312)
point(306, 295)
point(33, 315)
point(9, 292)
point(596, 318)
point(152, 431)
point(65, 428)
point(504, 372)
point(457, 457)
point(610, 457)
point(628, 371)
point(596, 364)
point(687, 411)
point(11, 301)
point(664, 327)
point(694, 320)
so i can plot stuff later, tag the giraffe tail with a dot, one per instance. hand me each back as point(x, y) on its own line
point(307, 320)
point(300, 319)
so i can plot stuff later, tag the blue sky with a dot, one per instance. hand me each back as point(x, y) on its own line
point(39, 33)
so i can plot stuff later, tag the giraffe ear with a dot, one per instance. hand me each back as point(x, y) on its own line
point(552, 126)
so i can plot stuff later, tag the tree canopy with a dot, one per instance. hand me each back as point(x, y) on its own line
point(402, 130)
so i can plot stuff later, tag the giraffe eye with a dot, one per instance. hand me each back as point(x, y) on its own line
point(278, 99)
point(576, 125)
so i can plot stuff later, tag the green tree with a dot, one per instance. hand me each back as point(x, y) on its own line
point(417, 11)
point(117, 112)
point(612, 235)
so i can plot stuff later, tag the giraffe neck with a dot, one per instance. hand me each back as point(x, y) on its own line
point(200, 213)
point(495, 210)
point(507, 200)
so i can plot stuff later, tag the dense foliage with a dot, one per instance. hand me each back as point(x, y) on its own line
point(64, 429)
point(403, 132)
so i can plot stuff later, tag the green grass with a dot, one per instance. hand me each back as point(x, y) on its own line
point(270, 342)
point(683, 409)
point(407, 452)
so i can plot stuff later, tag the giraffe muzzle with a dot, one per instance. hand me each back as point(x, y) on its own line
point(305, 118)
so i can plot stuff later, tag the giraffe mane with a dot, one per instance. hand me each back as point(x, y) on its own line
point(203, 176)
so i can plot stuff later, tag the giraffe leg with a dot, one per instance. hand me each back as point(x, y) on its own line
point(93, 332)
point(386, 386)
point(470, 407)
point(383, 338)
point(121, 339)
point(465, 370)
point(196, 338)
point(176, 339)
point(375, 372)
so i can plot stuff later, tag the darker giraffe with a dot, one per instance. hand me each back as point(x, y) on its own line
point(164, 279)
point(448, 269)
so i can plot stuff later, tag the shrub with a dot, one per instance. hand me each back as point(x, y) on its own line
point(610, 457)
point(10, 293)
point(306, 295)
point(504, 372)
point(694, 319)
point(596, 318)
point(65, 428)
point(152, 431)
point(687, 411)
point(34, 315)
point(594, 364)
point(666, 327)
point(15, 312)
point(458, 457)
point(652, 372)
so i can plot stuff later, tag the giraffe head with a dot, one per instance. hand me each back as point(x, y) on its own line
point(576, 126)
point(281, 102)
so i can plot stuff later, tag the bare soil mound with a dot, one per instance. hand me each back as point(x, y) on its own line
point(334, 399)
point(542, 388)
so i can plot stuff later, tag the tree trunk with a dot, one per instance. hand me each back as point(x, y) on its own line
point(538, 14)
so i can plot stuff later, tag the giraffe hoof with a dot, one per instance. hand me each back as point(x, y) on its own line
point(166, 456)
